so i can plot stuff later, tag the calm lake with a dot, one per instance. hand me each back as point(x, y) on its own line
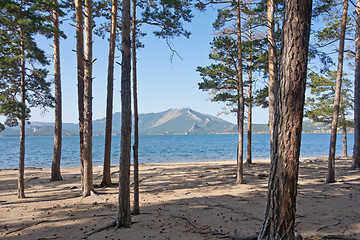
point(157, 149)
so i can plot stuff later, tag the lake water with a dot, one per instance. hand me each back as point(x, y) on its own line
point(157, 149)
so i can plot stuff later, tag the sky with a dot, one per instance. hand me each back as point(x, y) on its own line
point(162, 83)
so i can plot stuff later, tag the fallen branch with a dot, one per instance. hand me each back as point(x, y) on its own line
point(110, 225)
point(185, 218)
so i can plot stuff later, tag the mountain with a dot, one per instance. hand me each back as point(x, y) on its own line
point(181, 121)
point(172, 121)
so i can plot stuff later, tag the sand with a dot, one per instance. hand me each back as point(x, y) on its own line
point(179, 201)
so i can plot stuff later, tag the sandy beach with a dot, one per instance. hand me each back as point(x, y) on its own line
point(179, 201)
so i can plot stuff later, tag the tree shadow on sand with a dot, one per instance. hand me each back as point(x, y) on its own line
point(187, 202)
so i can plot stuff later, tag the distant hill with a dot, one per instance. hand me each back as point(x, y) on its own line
point(308, 127)
point(38, 129)
point(172, 121)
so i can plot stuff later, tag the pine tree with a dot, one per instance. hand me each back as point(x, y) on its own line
point(233, 12)
point(136, 208)
point(273, 77)
point(124, 215)
point(169, 19)
point(331, 164)
point(106, 181)
point(320, 105)
point(23, 85)
point(108, 9)
point(225, 77)
point(55, 168)
point(356, 154)
point(88, 169)
point(79, 19)
point(279, 221)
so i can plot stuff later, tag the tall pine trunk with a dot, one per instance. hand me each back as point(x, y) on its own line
point(21, 185)
point(345, 153)
point(88, 174)
point(55, 168)
point(80, 78)
point(331, 163)
point(106, 180)
point(124, 216)
point(356, 153)
point(240, 101)
point(279, 221)
point(249, 123)
point(344, 133)
point(273, 78)
point(136, 209)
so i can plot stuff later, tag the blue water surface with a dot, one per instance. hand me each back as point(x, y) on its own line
point(157, 149)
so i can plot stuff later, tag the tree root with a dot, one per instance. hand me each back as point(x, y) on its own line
point(47, 238)
point(100, 176)
point(144, 178)
point(110, 225)
point(92, 194)
point(234, 236)
point(30, 179)
point(217, 232)
point(336, 237)
point(323, 227)
point(22, 228)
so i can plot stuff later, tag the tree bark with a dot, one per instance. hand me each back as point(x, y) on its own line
point(55, 168)
point(124, 216)
point(106, 180)
point(279, 221)
point(331, 163)
point(80, 78)
point(240, 101)
point(249, 123)
point(21, 185)
point(136, 209)
point(273, 78)
point(88, 174)
point(356, 153)
point(345, 153)
point(344, 133)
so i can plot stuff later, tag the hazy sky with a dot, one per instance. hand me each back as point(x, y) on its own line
point(161, 84)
